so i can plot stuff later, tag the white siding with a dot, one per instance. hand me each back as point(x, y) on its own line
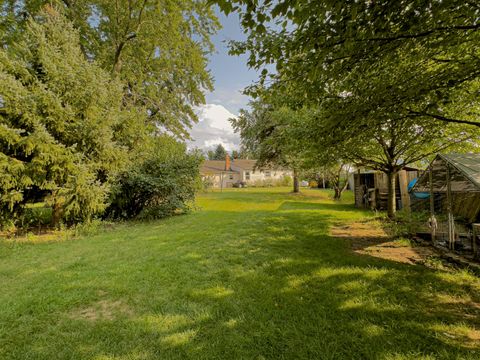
point(261, 175)
point(228, 179)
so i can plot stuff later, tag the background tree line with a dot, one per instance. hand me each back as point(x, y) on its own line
point(220, 153)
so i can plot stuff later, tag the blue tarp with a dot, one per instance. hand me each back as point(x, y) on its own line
point(411, 184)
point(418, 195)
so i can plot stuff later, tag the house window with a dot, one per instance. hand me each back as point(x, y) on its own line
point(267, 174)
point(247, 175)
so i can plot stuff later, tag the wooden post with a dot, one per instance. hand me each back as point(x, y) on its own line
point(432, 206)
point(475, 248)
point(451, 225)
point(403, 184)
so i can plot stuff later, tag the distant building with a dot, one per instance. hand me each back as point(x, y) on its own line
point(226, 173)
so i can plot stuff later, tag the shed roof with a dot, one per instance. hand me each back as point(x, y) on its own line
point(464, 173)
point(365, 170)
point(468, 164)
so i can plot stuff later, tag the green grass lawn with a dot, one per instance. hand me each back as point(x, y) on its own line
point(252, 274)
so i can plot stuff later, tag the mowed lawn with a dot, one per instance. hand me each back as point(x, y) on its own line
point(252, 274)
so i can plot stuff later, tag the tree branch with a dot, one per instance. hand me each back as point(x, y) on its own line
point(444, 118)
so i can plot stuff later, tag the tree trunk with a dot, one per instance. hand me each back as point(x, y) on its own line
point(296, 184)
point(392, 206)
point(339, 190)
point(56, 214)
point(337, 194)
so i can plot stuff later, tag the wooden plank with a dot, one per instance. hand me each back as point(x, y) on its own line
point(403, 184)
point(358, 190)
point(433, 221)
point(451, 224)
point(381, 182)
point(412, 175)
point(475, 245)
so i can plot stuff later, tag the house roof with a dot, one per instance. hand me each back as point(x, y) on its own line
point(464, 173)
point(214, 167)
point(244, 164)
point(218, 166)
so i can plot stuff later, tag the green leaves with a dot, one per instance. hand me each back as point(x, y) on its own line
point(391, 53)
point(225, 5)
point(58, 118)
point(86, 87)
point(160, 185)
point(157, 49)
point(218, 154)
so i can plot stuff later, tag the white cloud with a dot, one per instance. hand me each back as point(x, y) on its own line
point(213, 128)
point(231, 98)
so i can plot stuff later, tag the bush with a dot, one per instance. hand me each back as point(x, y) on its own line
point(88, 228)
point(407, 223)
point(207, 183)
point(36, 216)
point(286, 181)
point(161, 185)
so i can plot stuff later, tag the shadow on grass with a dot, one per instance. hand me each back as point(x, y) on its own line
point(255, 285)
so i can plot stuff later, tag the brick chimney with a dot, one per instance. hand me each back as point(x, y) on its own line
point(227, 163)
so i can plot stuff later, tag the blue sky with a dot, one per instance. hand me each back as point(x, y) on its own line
point(231, 75)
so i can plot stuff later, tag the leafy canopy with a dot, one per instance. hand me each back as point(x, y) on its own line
point(158, 49)
point(402, 58)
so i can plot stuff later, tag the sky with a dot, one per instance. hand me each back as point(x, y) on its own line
point(231, 75)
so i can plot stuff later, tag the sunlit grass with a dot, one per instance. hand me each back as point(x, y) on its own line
point(251, 274)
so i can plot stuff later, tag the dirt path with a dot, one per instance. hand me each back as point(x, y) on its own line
point(368, 238)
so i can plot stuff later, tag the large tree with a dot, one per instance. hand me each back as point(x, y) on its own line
point(219, 153)
point(387, 76)
point(59, 120)
point(71, 126)
point(387, 145)
point(157, 48)
point(323, 49)
point(272, 134)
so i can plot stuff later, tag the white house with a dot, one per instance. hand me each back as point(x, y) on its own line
point(225, 173)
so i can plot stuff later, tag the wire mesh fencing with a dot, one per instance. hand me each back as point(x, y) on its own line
point(445, 211)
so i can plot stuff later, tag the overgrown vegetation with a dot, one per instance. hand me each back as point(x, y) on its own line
point(83, 102)
point(161, 185)
point(284, 181)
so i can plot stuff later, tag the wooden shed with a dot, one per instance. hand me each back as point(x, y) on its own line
point(371, 188)
point(450, 191)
